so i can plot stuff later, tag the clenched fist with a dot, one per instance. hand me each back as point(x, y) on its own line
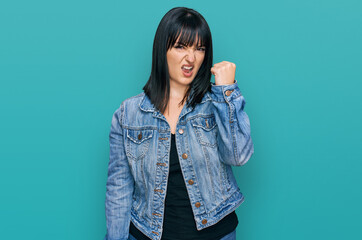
point(224, 73)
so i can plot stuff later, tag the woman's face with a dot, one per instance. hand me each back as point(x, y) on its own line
point(184, 62)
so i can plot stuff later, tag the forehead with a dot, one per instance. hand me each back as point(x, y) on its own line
point(186, 37)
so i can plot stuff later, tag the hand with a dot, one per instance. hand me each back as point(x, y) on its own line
point(224, 73)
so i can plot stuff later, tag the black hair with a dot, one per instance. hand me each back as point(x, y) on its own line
point(187, 24)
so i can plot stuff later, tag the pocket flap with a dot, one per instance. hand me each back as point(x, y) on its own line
point(138, 136)
point(206, 123)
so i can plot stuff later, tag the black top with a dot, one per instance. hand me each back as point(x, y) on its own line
point(179, 222)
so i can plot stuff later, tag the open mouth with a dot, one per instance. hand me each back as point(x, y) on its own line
point(187, 69)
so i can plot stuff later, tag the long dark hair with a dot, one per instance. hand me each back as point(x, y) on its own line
point(187, 24)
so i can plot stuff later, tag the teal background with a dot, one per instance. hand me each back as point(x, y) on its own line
point(65, 66)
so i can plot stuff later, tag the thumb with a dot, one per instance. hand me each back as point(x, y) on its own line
point(213, 71)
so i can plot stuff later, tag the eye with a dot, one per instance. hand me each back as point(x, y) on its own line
point(201, 49)
point(179, 46)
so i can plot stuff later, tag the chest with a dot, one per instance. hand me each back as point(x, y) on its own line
point(172, 114)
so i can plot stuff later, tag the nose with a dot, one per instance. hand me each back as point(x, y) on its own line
point(190, 55)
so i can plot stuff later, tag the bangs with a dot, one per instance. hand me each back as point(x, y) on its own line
point(188, 34)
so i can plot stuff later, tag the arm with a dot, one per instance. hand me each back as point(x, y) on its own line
point(234, 141)
point(119, 184)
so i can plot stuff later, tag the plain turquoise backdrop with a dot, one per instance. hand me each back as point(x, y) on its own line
point(65, 67)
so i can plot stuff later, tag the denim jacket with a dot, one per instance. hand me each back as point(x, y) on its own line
point(210, 138)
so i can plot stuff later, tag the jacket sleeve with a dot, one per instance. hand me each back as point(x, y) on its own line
point(234, 141)
point(120, 184)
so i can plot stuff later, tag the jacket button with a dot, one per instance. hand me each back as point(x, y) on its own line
point(184, 156)
point(180, 131)
point(204, 221)
point(198, 204)
point(140, 136)
point(228, 92)
point(191, 182)
point(207, 123)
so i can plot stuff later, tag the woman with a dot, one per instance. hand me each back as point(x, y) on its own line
point(172, 146)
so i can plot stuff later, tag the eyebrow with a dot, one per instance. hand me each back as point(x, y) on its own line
point(180, 43)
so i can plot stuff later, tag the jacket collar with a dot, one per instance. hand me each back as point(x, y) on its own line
point(147, 106)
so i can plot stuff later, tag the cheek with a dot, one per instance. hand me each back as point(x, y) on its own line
point(201, 60)
point(172, 61)
point(171, 66)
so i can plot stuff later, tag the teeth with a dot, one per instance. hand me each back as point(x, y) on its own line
point(188, 68)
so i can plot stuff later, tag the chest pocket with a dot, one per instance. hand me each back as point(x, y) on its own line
point(206, 130)
point(138, 143)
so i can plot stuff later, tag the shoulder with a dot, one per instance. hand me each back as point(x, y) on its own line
point(135, 99)
point(131, 103)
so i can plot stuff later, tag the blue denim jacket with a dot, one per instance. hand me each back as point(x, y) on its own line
point(210, 138)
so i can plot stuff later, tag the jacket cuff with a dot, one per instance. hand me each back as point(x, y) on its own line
point(225, 93)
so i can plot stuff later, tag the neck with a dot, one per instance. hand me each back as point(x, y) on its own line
point(177, 91)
